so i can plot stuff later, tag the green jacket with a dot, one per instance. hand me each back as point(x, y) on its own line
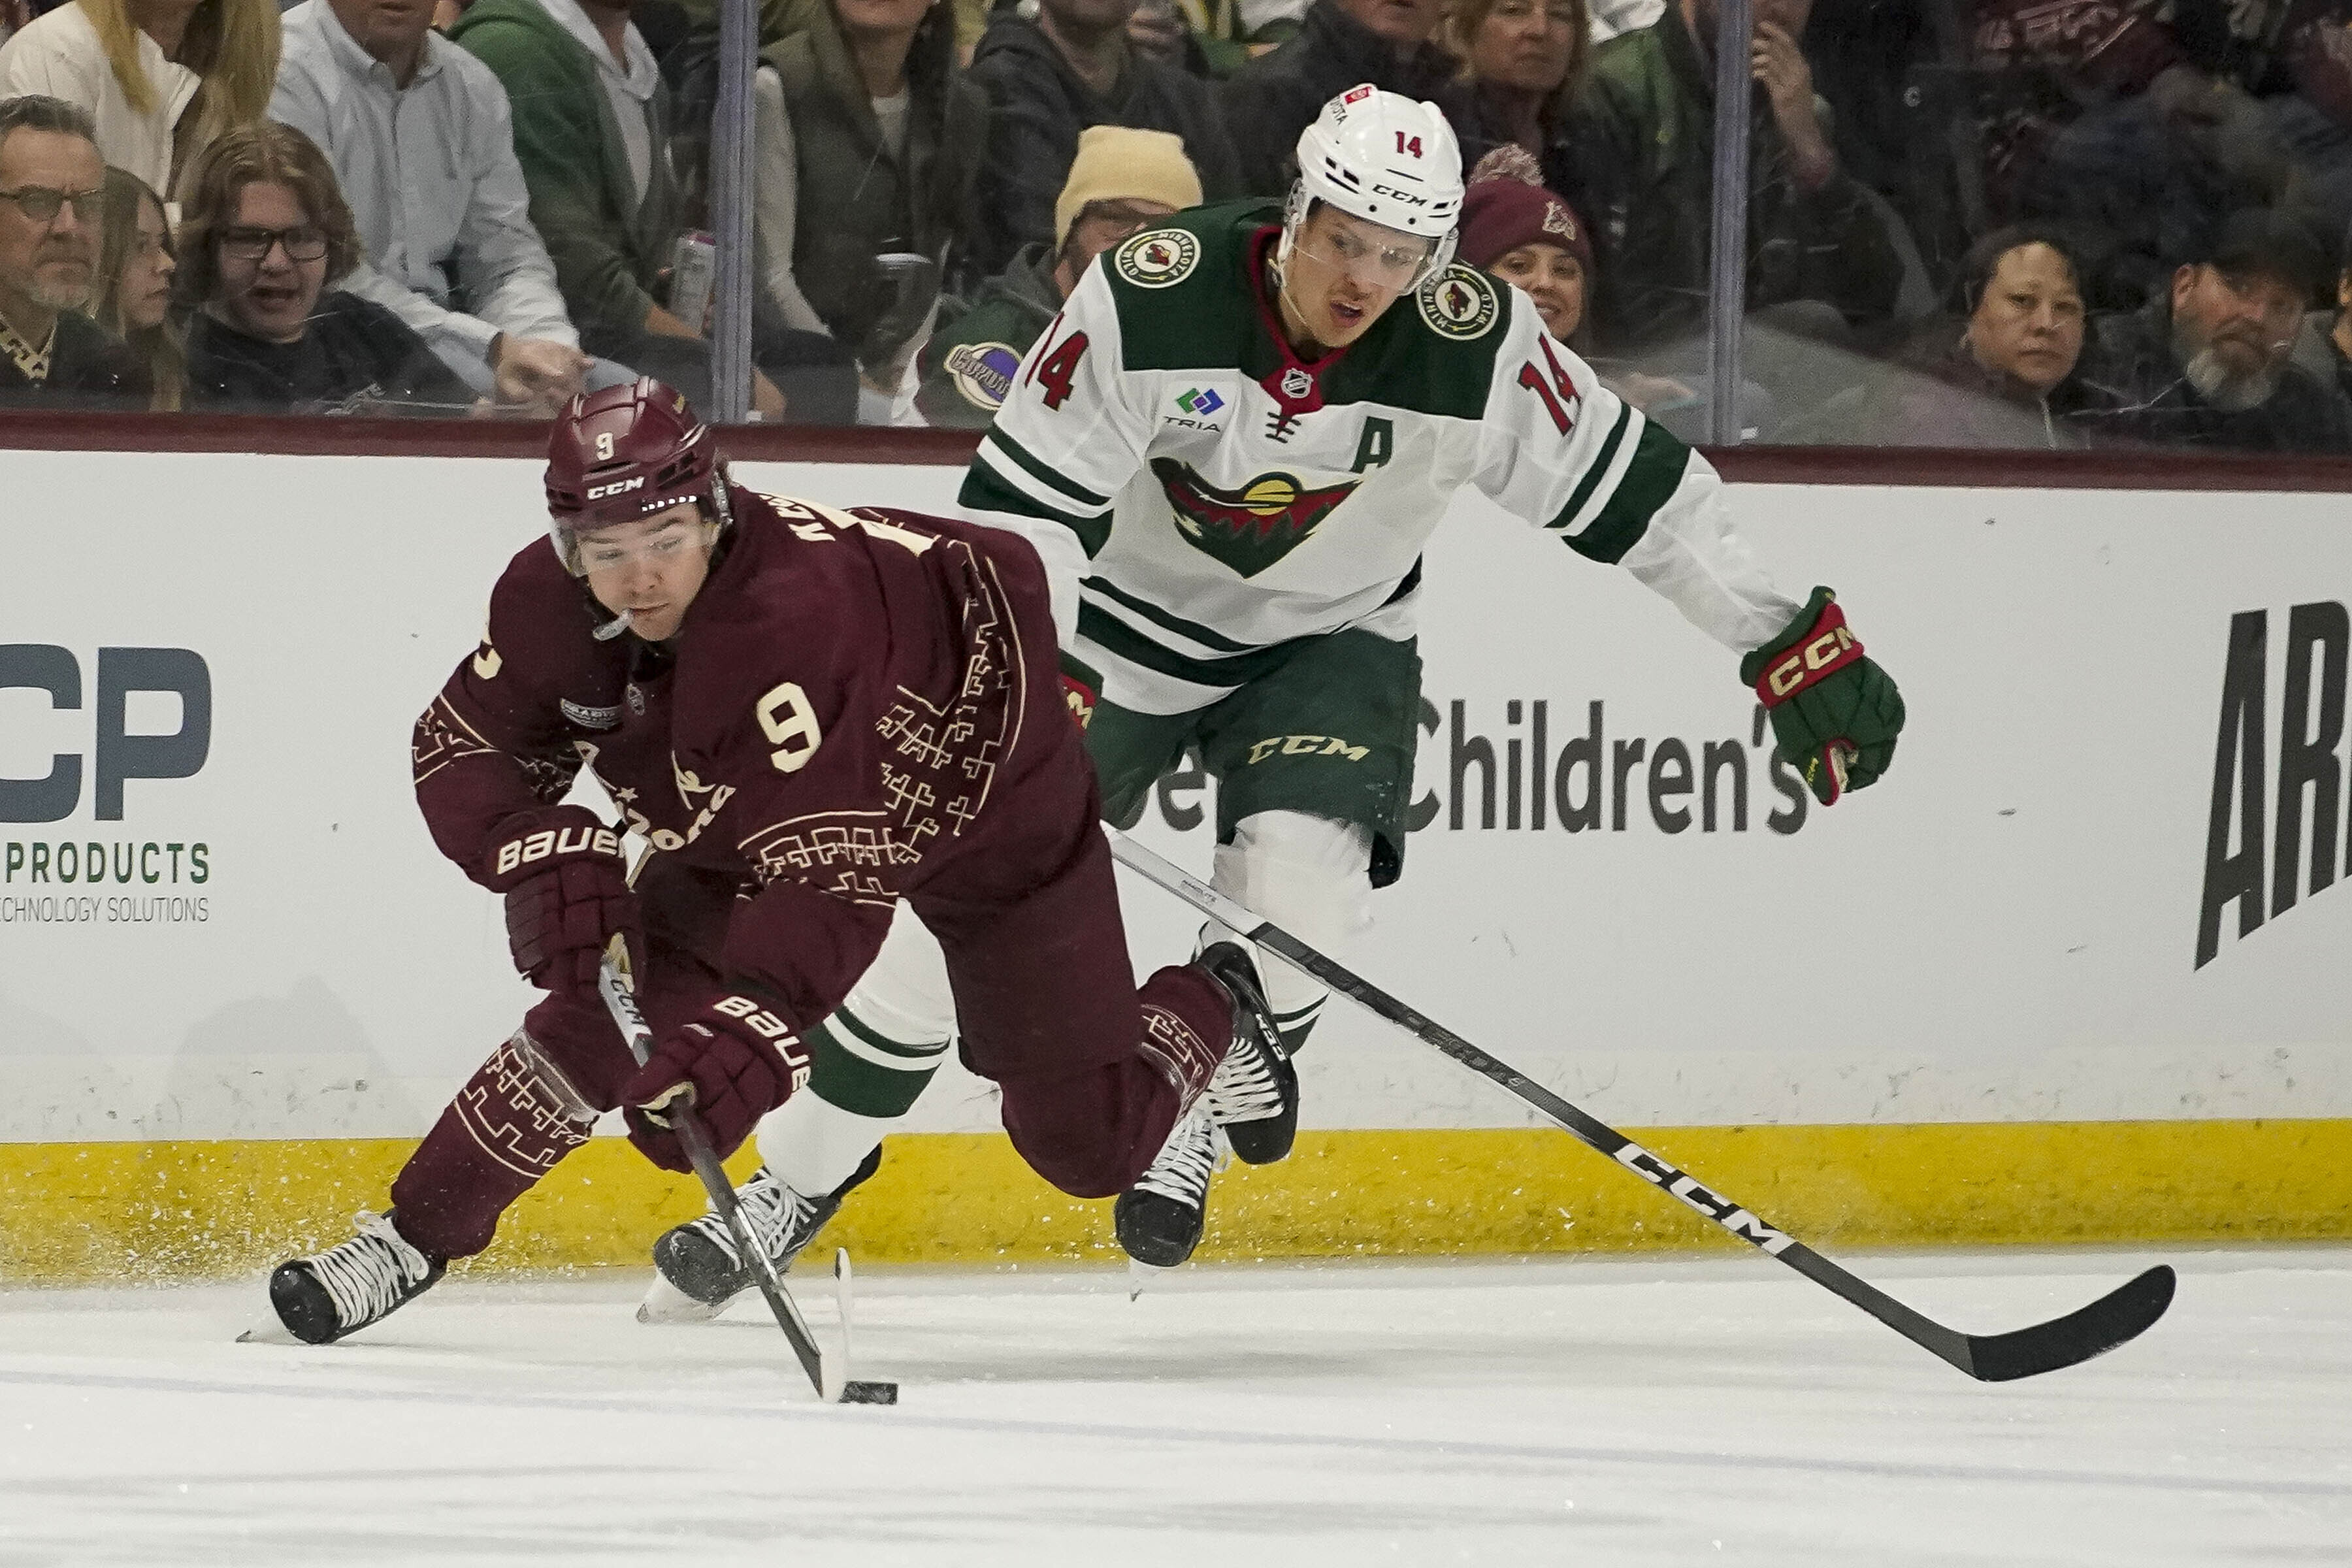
point(610, 251)
point(1640, 144)
point(855, 200)
point(969, 364)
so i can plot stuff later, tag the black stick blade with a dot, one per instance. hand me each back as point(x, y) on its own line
point(2121, 1315)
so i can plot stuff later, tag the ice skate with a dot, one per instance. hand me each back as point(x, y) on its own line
point(698, 1269)
point(1254, 1097)
point(1159, 1220)
point(329, 1294)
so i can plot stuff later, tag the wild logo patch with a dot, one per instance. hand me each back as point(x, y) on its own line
point(1251, 528)
point(1157, 258)
point(984, 373)
point(1460, 304)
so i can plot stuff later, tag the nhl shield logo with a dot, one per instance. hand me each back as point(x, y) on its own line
point(1296, 384)
point(1460, 304)
point(1157, 258)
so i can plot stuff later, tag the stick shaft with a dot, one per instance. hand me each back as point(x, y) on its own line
point(695, 1139)
point(1741, 1222)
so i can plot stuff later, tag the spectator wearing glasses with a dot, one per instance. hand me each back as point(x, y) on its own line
point(1121, 180)
point(52, 205)
point(2208, 364)
point(423, 148)
point(267, 238)
point(1047, 79)
point(135, 264)
point(160, 77)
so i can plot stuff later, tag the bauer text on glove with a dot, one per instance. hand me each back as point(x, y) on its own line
point(566, 883)
point(733, 1063)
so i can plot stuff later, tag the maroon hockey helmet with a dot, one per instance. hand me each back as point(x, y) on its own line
point(626, 452)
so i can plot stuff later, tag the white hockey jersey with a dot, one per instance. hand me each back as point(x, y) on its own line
point(1202, 498)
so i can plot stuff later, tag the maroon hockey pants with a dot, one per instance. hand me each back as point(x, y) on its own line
point(1046, 1005)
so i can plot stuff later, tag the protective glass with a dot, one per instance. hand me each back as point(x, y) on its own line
point(42, 205)
point(304, 242)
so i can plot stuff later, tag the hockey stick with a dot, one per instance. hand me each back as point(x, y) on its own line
point(2120, 1315)
point(829, 1378)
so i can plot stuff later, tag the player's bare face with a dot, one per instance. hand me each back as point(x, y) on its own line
point(652, 568)
point(1343, 272)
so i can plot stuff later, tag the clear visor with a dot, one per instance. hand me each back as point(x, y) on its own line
point(1370, 254)
point(616, 547)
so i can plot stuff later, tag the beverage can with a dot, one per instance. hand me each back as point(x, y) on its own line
point(694, 265)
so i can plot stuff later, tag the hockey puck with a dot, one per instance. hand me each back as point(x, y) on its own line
point(857, 1393)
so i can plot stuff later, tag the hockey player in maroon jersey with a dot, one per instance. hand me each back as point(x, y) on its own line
point(810, 715)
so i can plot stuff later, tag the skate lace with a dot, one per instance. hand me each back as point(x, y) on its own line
point(1242, 1089)
point(772, 1212)
point(1185, 1162)
point(367, 1276)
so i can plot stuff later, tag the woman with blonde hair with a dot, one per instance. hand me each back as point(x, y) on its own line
point(135, 263)
point(1523, 61)
point(162, 78)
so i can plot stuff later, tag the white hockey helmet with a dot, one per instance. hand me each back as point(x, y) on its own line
point(1386, 159)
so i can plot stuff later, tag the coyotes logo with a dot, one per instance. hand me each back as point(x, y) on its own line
point(1252, 528)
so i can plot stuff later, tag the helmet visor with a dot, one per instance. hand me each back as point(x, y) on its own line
point(1370, 254)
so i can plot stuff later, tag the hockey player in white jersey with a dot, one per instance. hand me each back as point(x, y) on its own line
point(1231, 448)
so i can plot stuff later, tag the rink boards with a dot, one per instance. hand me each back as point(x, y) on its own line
point(2073, 973)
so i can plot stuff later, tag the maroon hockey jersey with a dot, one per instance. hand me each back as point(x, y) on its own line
point(852, 702)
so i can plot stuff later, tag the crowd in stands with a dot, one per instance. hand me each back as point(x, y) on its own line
point(1973, 223)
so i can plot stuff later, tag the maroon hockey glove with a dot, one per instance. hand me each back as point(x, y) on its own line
point(732, 1064)
point(567, 887)
point(1835, 714)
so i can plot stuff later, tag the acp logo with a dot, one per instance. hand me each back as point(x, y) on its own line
point(118, 756)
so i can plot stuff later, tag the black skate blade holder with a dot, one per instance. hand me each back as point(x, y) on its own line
point(828, 1374)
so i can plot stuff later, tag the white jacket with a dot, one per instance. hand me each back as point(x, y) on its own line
point(60, 55)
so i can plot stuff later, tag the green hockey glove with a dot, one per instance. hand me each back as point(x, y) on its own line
point(1835, 714)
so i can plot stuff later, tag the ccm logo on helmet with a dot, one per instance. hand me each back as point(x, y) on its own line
point(618, 487)
point(547, 841)
point(1396, 194)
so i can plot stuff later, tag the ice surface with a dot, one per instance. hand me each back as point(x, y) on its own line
point(1618, 1414)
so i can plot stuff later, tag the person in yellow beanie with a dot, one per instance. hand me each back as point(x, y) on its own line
point(1121, 180)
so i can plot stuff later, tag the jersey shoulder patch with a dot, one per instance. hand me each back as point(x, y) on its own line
point(1182, 291)
point(1157, 258)
point(1460, 304)
point(984, 373)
